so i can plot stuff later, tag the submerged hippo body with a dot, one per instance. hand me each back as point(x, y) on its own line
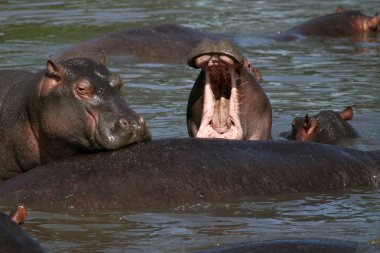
point(72, 107)
point(340, 23)
point(317, 245)
point(176, 171)
point(14, 239)
point(226, 100)
point(157, 42)
point(172, 43)
point(325, 127)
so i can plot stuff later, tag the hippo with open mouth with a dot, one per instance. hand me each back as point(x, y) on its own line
point(226, 100)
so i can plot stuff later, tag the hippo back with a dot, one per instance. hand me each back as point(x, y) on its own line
point(9, 77)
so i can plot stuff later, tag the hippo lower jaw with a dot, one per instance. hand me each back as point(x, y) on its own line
point(220, 116)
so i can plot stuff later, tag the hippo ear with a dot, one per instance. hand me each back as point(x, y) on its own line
point(309, 124)
point(339, 9)
point(54, 74)
point(54, 70)
point(347, 114)
point(373, 22)
point(115, 81)
point(101, 57)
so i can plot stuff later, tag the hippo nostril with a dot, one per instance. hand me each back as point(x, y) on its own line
point(123, 123)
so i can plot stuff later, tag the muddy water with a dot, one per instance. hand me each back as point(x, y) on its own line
point(301, 76)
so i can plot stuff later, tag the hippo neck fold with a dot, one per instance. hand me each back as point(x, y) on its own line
point(18, 129)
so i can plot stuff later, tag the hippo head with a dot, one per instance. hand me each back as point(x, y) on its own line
point(368, 24)
point(361, 22)
point(226, 100)
point(325, 127)
point(81, 110)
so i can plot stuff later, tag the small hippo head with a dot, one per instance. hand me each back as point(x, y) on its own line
point(369, 24)
point(81, 110)
point(325, 127)
point(360, 23)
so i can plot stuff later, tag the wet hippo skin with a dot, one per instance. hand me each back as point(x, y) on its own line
point(340, 23)
point(14, 239)
point(169, 172)
point(325, 127)
point(170, 42)
point(311, 245)
point(71, 107)
point(159, 42)
point(226, 100)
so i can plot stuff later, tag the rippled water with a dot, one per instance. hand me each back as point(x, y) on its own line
point(301, 76)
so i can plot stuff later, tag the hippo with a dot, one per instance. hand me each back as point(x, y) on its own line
point(308, 245)
point(226, 100)
point(158, 42)
point(325, 127)
point(172, 43)
point(73, 106)
point(165, 173)
point(13, 238)
point(340, 23)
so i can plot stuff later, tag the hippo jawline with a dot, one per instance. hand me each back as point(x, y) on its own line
point(220, 115)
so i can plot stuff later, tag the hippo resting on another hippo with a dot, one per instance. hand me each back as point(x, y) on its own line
point(169, 42)
point(72, 107)
point(325, 127)
point(226, 100)
point(164, 173)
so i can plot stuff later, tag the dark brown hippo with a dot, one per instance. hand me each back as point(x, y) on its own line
point(309, 245)
point(325, 127)
point(71, 107)
point(167, 173)
point(340, 23)
point(166, 42)
point(171, 42)
point(226, 100)
point(14, 239)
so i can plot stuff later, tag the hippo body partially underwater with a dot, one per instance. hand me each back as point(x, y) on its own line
point(327, 126)
point(163, 173)
point(172, 43)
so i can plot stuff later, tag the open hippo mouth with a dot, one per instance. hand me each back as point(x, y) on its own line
point(220, 113)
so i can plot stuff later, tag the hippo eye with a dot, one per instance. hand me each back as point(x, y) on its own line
point(83, 89)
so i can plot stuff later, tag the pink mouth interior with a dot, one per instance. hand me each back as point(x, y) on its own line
point(220, 116)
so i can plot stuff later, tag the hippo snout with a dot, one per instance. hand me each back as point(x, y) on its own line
point(122, 132)
point(136, 126)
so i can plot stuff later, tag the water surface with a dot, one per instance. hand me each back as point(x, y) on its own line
point(300, 77)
